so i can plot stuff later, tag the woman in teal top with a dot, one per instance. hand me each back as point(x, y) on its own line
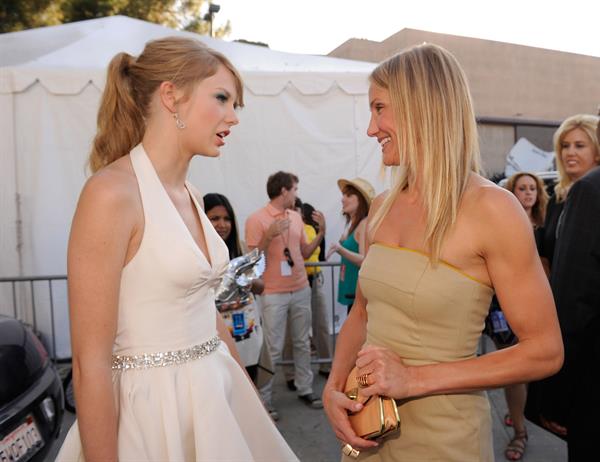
point(356, 199)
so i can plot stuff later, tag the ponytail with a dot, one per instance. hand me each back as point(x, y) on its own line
point(120, 121)
point(131, 83)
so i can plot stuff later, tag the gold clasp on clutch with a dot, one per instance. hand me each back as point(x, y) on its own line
point(352, 393)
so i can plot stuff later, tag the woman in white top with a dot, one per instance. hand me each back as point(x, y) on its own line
point(155, 370)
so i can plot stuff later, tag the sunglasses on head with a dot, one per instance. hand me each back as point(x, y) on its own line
point(288, 256)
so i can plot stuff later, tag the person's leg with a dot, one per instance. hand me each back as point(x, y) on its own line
point(320, 324)
point(300, 323)
point(288, 355)
point(516, 396)
point(275, 310)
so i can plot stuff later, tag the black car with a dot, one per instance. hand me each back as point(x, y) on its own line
point(31, 396)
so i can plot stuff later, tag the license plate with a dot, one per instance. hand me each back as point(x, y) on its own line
point(22, 443)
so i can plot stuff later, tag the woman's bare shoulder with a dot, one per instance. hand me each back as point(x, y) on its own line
point(113, 185)
point(376, 203)
point(485, 198)
point(492, 211)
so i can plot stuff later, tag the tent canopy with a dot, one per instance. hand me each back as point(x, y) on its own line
point(85, 49)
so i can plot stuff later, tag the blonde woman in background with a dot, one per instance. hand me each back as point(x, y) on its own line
point(576, 153)
point(531, 194)
point(156, 373)
point(567, 402)
point(441, 241)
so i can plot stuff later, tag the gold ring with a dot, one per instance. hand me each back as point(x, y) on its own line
point(363, 380)
point(350, 451)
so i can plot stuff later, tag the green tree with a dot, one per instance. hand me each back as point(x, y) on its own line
point(177, 14)
point(18, 15)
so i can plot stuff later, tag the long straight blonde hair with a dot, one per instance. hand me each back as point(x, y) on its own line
point(131, 82)
point(437, 135)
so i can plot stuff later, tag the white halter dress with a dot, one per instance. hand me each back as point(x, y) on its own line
point(179, 394)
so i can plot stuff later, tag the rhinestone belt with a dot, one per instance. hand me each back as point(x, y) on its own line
point(168, 358)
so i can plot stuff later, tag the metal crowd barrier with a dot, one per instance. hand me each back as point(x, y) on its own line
point(31, 303)
point(27, 310)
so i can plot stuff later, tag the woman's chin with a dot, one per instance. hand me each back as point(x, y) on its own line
point(390, 162)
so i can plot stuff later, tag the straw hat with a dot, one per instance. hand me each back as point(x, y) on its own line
point(361, 185)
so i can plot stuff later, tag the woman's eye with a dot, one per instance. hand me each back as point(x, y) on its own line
point(223, 98)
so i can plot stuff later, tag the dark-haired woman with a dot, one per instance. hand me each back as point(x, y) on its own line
point(357, 195)
point(156, 373)
point(242, 320)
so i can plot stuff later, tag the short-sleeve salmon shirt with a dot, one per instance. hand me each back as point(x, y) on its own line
point(256, 226)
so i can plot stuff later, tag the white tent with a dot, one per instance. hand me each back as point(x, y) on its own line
point(305, 114)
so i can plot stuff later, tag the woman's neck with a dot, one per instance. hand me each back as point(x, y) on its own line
point(170, 163)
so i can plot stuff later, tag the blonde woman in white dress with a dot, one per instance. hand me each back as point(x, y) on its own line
point(155, 371)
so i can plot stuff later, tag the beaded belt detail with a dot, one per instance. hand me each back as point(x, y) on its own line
point(168, 358)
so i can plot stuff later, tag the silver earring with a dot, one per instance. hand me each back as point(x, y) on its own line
point(180, 124)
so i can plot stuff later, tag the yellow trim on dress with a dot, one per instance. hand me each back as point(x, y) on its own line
point(424, 254)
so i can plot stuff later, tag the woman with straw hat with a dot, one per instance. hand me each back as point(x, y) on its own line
point(357, 195)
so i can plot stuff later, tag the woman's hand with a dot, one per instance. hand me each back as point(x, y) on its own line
point(337, 405)
point(333, 248)
point(386, 373)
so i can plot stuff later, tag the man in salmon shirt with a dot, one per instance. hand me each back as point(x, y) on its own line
point(278, 230)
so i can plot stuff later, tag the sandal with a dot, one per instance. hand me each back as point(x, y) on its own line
point(508, 420)
point(516, 447)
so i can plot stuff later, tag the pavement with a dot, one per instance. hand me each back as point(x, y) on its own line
point(308, 433)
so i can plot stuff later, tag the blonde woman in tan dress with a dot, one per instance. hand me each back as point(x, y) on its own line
point(442, 240)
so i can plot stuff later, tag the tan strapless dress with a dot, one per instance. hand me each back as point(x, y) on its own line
point(428, 315)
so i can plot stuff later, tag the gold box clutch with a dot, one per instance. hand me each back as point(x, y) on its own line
point(379, 415)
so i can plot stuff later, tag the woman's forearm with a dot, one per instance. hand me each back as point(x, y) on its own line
point(527, 361)
point(353, 257)
point(96, 413)
point(350, 340)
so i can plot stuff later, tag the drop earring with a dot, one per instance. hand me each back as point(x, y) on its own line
point(180, 124)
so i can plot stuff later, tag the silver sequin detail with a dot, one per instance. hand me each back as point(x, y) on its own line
point(168, 358)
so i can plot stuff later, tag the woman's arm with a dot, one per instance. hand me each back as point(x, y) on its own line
point(351, 338)
point(307, 248)
point(355, 257)
point(226, 337)
point(103, 225)
point(507, 246)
